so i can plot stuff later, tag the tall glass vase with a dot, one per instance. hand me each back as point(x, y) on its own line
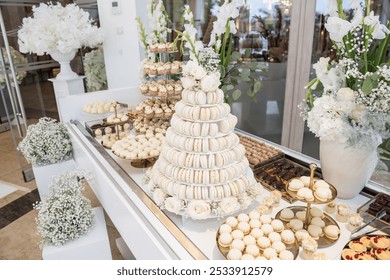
point(348, 169)
point(64, 59)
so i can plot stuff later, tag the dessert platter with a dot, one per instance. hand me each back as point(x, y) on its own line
point(101, 107)
point(367, 247)
point(162, 88)
point(202, 171)
point(256, 237)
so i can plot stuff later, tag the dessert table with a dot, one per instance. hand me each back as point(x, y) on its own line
point(151, 233)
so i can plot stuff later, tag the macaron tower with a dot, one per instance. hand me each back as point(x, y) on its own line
point(202, 169)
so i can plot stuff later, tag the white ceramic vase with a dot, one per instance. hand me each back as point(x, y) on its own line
point(64, 59)
point(346, 168)
point(44, 174)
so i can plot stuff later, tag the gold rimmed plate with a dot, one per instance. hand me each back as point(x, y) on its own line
point(322, 241)
point(316, 200)
point(293, 248)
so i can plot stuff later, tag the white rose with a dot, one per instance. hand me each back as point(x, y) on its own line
point(337, 28)
point(198, 209)
point(188, 68)
point(229, 205)
point(199, 73)
point(188, 82)
point(173, 204)
point(321, 67)
point(159, 197)
point(210, 82)
point(346, 94)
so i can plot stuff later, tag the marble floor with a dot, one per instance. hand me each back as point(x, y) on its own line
point(19, 239)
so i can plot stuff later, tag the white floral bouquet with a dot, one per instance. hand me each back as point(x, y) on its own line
point(355, 102)
point(57, 28)
point(95, 70)
point(232, 70)
point(18, 59)
point(158, 21)
point(64, 214)
point(46, 142)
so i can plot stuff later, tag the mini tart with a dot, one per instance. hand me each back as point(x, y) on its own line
point(347, 254)
point(234, 254)
point(244, 227)
point(382, 254)
point(357, 246)
point(252, 250)
point(232, 222)
point(364, 256)
point(225, 239)
point(366, 240)
point(256, 233)
point(380, 242)
point(243, 218)
point(263, 242)
point(225, 228)
point(249, 240)
point(270, 253)
point(237, 234)
point(286, 255)
point(274, 237)
point(247, 257)
point(237, 244)
point(287, 236)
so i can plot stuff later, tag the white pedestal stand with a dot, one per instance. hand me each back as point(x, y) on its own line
point(65, 87)
point(44, 174)
point(92, 246)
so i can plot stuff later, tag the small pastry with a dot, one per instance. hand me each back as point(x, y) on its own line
point(316, 221)
point(295, 224)
point(254, 215)
point(355, 220)
point(366, 240)
point(267, 229)
point(323, 194)
point(244, 227)
point(347, 254)
point(263, 242)
point(357, 246)
point(382, 254)
point(265, 219)
point(247, 257)
point(343, 212)
point(237, 244)
point(301, 215)
point(332, 232)
point(234, 254)
point(249, 240)
point(321, 184)
point(232, 222)
point(316, 212)
point(256, 233)
point(301, 234)
point(287, 236)
point(252, 249)
point(330, 207)
point(309, 246)
point(263, 209)
point(286, 215)
point(274, 236)
point(276, 196)
point(225, 239)
point(278, 246)
point(380, 242)
point(314, 231)
point(225, 228)
point(295, 185)
point(269, 202)
point(286, 255)
point(254, 223)
point(277, 225)
point(305, 194)
point(237, 234)
point(305, 180)
point(243, 218)
point(270, 253)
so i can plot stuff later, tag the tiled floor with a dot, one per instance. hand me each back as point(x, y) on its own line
point(18, 238)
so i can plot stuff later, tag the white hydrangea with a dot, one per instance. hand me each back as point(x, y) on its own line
point(56, 28)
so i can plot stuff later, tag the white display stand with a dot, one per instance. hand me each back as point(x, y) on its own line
point(92, 246)
point(44, 174)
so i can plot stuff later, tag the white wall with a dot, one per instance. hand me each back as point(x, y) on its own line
point(121, 48)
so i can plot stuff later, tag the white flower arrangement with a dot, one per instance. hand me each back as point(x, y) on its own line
point(17, 59)
point(219, 51)
point(64, 214)
point(355, 102)
point(46, 142)
point(56, 28)
point(158, 22)
point(201, 209)
point(95, 70)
